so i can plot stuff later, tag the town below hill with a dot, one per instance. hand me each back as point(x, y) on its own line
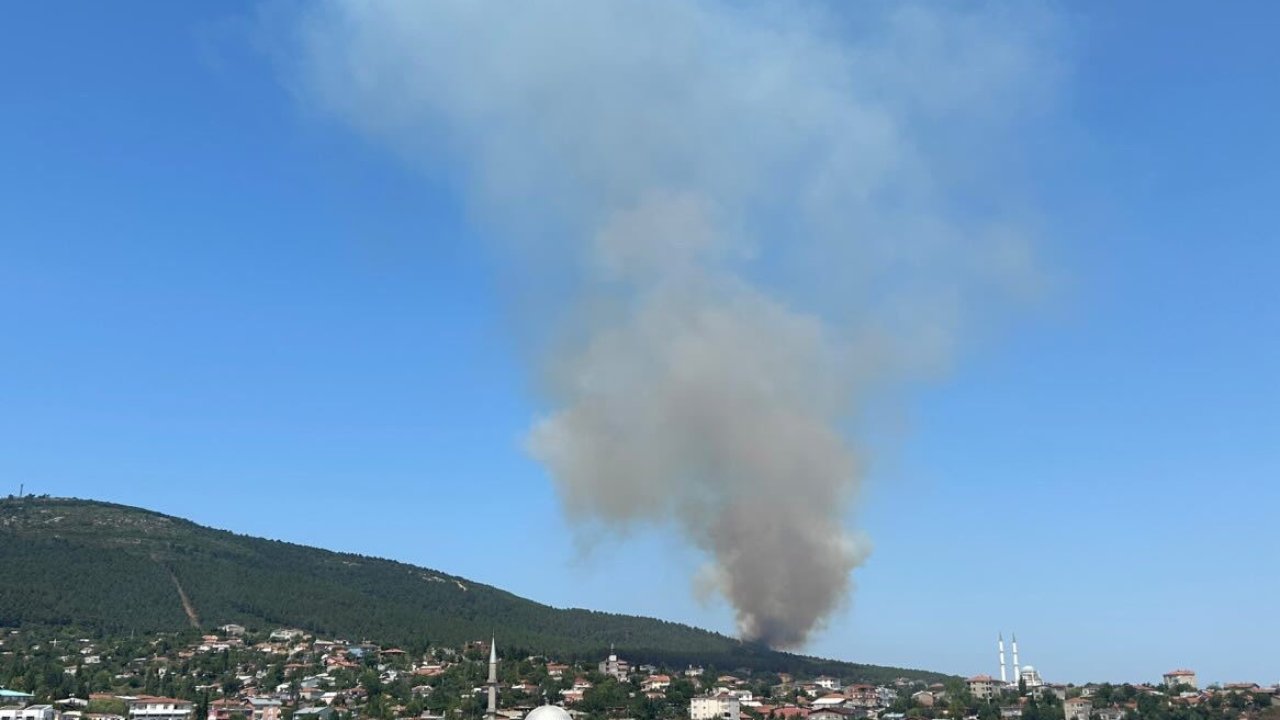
point(237, 673)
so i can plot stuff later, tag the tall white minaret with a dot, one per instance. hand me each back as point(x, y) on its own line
point(1017, 669)
point(492, 714)
point(1003, 678)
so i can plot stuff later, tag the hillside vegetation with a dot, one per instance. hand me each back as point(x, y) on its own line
point(116, 569)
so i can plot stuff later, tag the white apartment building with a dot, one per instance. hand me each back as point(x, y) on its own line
point(159, 708)
point(33, 712)
point(715, 707)
point(1174, 678)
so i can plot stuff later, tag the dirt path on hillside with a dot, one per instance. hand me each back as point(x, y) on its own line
point(187, 607)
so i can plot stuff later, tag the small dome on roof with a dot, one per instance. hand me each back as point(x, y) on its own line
point(548, 712)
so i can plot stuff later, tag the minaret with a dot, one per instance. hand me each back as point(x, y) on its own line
point(1017, 669)
point(1003, 679)
point(492, 714)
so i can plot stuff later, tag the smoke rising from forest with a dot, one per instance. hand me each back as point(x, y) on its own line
point(755, 217)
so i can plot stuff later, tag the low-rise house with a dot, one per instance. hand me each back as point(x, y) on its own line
point(838, 713)
point(310, 694)
point(571, 696)
point(264, 708)
point(147, 707)
point(827, 701)
point(324, 712)
point(1110, 713)
point(227, 709)
point(656, 682)
point(924, 698)
point(1078, 708)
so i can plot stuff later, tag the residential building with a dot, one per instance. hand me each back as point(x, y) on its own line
point(1078, 708)
point(924, 698)
point(862, 695)
point(656, 683)
point(1173, 678)
point(984, 687)
point(837, 713)
point(264, 708)
point(611, 666)
point(147, 707)
point(31, 712)
point(721, 706)
point(228, 709)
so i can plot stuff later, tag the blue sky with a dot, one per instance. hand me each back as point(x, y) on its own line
point(221, 303)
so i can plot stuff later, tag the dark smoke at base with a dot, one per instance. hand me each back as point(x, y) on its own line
point(749, 210)
point(716, 409)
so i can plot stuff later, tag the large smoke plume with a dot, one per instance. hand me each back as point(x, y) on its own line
point(761, 218)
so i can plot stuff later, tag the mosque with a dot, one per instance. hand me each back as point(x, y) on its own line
point(543, 712)
point(1026, 674)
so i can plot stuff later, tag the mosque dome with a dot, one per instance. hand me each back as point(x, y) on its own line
point(1025, 669)
point(548, 712)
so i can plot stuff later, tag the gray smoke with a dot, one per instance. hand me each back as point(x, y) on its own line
point(755, 208)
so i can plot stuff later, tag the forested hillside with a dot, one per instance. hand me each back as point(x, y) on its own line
point(117, 569)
